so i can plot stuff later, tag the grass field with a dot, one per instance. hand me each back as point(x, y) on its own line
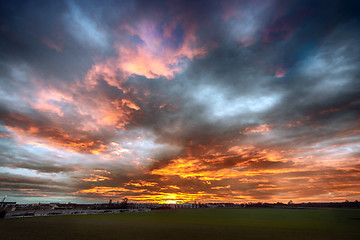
point(192, 224)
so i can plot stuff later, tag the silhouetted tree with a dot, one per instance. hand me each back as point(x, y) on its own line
point(124, 203)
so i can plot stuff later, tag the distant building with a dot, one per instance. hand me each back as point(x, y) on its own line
point(7, 204)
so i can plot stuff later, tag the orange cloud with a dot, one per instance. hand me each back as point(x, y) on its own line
point(141, 183)
point(107, 191)
point(96, 177)
point(173, 198)
point(52, 136)
point(130, 104)
point(240, 184)
point(221, 168)
point(153, 57)
point(264, 128)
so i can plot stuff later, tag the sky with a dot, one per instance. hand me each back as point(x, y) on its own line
point(180, 101)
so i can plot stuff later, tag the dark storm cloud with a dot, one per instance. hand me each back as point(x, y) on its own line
point(237, 72)
point(34, 33)
point(18, 186)
point(16, 158)
point(14, 182)
point(40, 166)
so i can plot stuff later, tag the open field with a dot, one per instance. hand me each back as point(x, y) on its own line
point(192, 224)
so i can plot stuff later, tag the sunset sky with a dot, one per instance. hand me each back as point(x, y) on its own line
point(180, 101)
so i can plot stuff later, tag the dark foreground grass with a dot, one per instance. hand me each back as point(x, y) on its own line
point(192, 224)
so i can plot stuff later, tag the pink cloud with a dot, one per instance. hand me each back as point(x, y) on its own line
point(264, 128)
point(152, 56)
point(279, 71)
point(52, 44)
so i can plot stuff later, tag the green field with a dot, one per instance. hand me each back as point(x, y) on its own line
point(192, 224)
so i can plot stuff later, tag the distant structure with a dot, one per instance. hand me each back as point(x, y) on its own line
point(3, 199)
point(3, 204)
point(13, 210)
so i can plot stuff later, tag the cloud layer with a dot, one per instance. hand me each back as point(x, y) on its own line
point(178, 101)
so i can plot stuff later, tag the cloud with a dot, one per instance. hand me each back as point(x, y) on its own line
point(83, 28)
point(179, 102)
